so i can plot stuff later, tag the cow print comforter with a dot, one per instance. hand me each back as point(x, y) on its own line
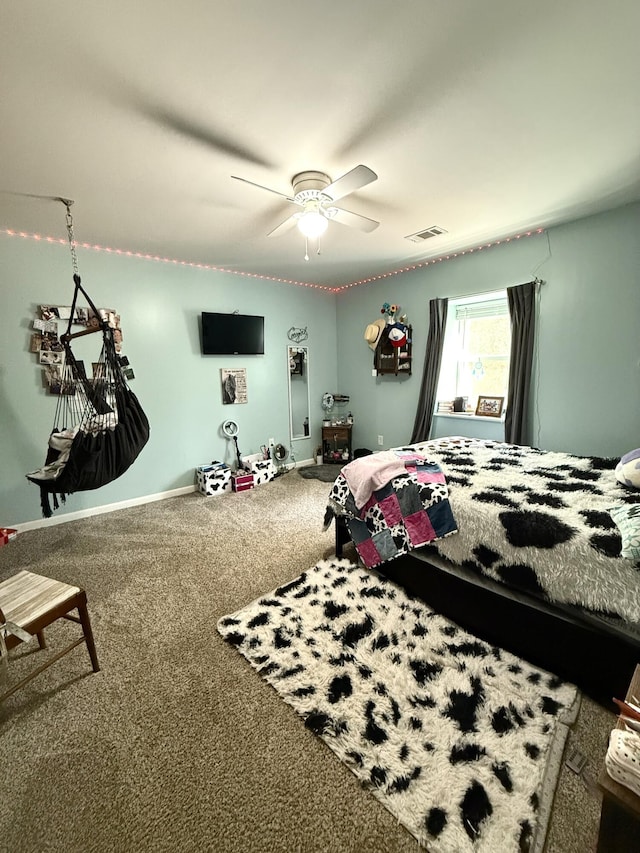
point(538, 521)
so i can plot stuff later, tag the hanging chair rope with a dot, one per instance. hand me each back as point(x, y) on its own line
point(71, 236)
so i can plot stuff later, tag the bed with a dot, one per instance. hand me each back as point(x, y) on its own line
point(530, 558)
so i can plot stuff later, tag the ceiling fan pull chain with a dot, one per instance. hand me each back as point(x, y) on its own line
point(306, 248)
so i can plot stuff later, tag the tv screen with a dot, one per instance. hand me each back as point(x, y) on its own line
point(232, 334)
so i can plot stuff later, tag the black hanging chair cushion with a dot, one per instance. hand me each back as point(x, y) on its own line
point(97, 459)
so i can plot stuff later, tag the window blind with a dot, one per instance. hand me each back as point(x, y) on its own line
point(477, 310)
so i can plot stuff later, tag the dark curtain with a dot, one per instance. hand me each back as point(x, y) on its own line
point(521, 300)
point(432, 360)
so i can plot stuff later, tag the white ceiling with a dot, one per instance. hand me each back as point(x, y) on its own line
point(485, 118)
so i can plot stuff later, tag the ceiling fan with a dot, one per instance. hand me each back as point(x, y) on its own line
point(315, 193)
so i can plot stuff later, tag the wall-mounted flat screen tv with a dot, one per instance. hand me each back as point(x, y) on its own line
point(232, 334)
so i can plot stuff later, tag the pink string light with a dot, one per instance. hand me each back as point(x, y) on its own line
point(424, 264)
point(335, 289)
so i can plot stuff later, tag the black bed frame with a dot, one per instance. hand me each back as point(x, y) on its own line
point(560, 639)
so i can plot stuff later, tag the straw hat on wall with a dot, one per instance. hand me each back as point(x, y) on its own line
point(373, 331)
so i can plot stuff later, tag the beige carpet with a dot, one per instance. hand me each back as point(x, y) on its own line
point(177, 744)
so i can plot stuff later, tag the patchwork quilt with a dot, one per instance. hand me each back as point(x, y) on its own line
point(410, 510)
point(539, 521)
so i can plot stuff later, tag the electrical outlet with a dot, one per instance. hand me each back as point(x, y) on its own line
point(380, 440)
point(272, 442)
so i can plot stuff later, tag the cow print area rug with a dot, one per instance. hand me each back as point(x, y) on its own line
point(461, 741)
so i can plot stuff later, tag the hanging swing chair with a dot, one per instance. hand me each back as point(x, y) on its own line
point(99, 426)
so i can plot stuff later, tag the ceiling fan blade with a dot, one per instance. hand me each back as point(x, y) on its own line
point(260, 187)
point(285, 226)
point(354, 220)
point(212, 137)
point(354, 180)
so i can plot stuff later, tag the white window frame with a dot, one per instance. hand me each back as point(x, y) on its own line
point(480, 305)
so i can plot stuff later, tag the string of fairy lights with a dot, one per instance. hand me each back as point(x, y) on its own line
point(94, 247)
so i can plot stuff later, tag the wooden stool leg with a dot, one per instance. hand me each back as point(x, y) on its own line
point(83, 613)
point(41, 640)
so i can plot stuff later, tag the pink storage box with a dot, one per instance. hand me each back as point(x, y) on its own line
point(242, 482)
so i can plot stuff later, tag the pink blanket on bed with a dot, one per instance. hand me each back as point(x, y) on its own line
point(369, 473)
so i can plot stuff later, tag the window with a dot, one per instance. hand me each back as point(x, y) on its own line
point(475, 358)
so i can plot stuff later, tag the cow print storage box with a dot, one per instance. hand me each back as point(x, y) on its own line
point(214, 479)
point(263, 470)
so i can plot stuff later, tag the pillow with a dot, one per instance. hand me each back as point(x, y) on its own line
point(628, 469)
point(627, 519)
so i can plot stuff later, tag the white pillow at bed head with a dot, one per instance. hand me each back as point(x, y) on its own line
point(628, 469)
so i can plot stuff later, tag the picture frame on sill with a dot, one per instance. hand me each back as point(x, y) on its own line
point(490, 407)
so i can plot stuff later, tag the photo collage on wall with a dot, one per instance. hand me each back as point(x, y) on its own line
point(51, 322)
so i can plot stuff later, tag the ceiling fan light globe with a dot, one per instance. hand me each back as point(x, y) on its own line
point(312, 224)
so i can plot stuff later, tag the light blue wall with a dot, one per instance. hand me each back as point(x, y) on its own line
point(586, 396)
point(470, 427)
point(179, 389)
point(589, 383)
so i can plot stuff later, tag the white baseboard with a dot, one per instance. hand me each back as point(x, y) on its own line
point(301, 463)
point(145, 499)
point(99, 510)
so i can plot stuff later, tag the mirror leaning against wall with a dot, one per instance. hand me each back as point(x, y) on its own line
point(299, 406)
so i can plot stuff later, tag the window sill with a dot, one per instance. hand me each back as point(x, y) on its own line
point(468, 416)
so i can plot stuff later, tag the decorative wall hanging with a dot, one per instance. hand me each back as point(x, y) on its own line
point(393, 352)
point(297, 335)
point(477, 370)
point(234, 385)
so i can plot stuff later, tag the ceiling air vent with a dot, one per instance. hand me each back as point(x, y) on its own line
point(419, 236)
